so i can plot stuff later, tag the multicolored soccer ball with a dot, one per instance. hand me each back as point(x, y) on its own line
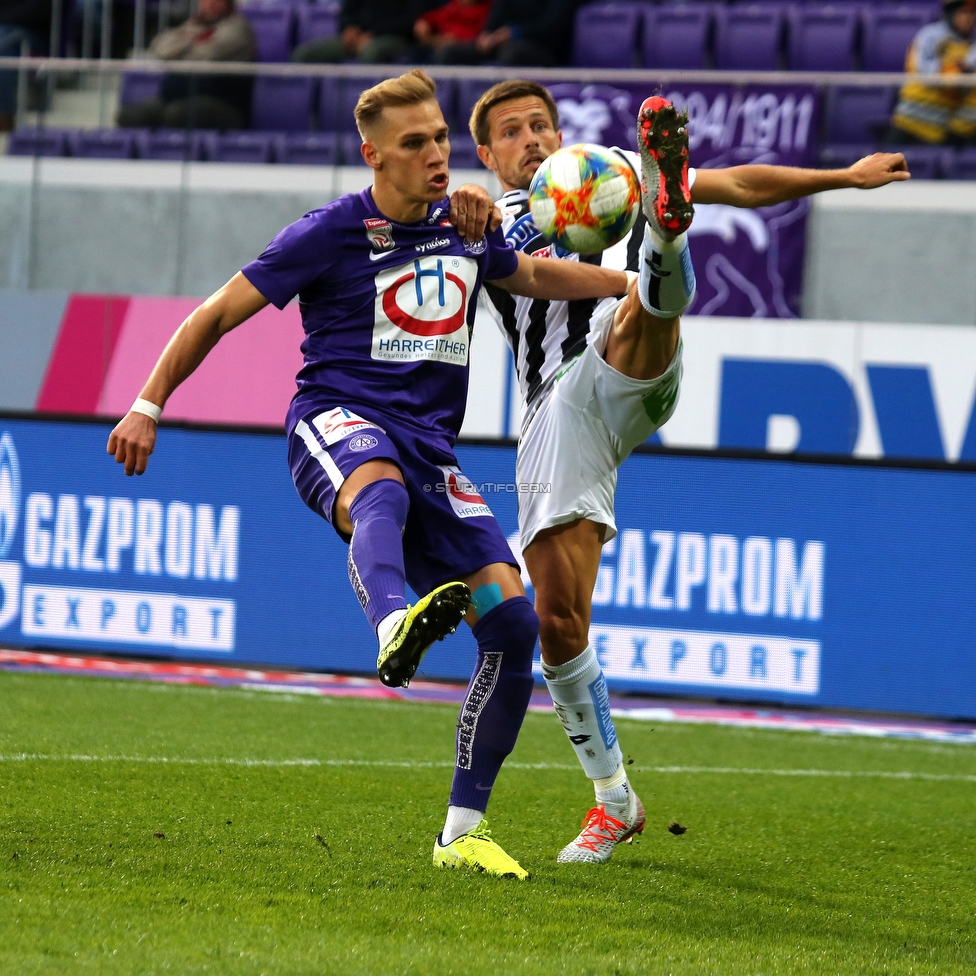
point(584, 198)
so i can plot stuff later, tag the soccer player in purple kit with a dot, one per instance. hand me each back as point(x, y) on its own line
point(388, 289)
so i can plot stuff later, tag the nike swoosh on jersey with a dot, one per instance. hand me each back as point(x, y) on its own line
point(376, 255)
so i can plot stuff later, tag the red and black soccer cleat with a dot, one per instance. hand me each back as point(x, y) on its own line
point(662, 139)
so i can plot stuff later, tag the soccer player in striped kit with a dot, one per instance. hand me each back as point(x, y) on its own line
point(598, 378)
point(388, 290)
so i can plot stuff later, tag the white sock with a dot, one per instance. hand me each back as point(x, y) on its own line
point(388, 624)
point(460, 820)
point(582, 702)
point(613, 791)
point(666, 282)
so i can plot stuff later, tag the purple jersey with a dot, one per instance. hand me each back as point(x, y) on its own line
point(387, 309)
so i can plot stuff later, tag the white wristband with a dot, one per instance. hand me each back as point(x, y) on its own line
point(146, 407)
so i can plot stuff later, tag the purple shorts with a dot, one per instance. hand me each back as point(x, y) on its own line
point(450, 531)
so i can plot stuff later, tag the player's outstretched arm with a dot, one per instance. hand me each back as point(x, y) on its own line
point(134, 437)
point(557, 280)
point(763, 186)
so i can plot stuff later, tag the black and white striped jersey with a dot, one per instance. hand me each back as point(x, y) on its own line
point(543, 335)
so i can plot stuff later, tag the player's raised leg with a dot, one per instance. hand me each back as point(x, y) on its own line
point(644, 338)
point(506, 627)
point(637, 388)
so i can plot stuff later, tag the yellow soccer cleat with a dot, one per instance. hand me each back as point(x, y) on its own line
point(430, 619)
point(478, 851)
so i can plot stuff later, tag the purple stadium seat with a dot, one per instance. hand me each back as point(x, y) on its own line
point(172, 144)
point(282, 104)
point(959, 164)
point(349, 153)
point(606, 35)
point(822, 38)
point(842, 156)
point(103, 143)
point(464, 153)
point(238, 147)
point(924, 162)
point(748, 37)
point(306, 149)
point(274, 28)
point(889, 31)
point(317, 20)
point(329, 104)
point(138, 86)
point(858, 114)
point(38, 142)
point(677, 35)
point(469, 90)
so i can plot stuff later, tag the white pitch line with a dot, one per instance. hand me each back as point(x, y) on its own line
point(410, 764)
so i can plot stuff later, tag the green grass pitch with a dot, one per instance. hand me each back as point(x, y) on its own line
point(228, 859)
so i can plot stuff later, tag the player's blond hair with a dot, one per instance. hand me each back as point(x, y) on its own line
point(505, 91)
point(412, 88)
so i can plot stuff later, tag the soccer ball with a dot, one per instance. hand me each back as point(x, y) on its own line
point(584, 198)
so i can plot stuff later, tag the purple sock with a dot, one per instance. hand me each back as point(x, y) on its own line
point(378, 514)
point(497, 698)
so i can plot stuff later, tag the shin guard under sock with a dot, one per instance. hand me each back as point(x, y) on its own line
point(378, 514)
point(582, 702)
point(497, 698)
point(666, 283)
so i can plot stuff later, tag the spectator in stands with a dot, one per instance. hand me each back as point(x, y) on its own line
point(449, 32)
point(216, 32)
point(521, 33)
point(371, 31)
point(931, 114)
point(20, 21)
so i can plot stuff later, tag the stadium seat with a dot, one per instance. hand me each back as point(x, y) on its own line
point(841, 156)
point(283, 104)
point(677, 35)
point(103, 143)
point(173, 144)
point(464, 153)
point(307, 149)
point(859, 114)
point(748, 37)
point(888, 33)
point(238, 147)
point(924, 162)
point(138, 86)
point(469, 90)
point(348, 146)
point(959, 164)
point(317, 20)
point(38, 142)
point(822, 38)
point(605, 35)
point(274, 29)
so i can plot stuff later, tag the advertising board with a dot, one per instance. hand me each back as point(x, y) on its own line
point(799, 581)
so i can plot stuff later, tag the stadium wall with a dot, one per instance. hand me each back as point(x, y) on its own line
point(156, 228)
point(848, 388)
point(795, 581)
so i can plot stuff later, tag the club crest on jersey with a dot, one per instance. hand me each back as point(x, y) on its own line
point(476, 247)
point(421, 310)
point(463, 495)
point(380, 233)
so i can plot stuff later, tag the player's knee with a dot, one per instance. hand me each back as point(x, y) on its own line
point(511, 627)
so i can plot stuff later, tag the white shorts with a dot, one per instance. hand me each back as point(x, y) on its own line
point(590, 420)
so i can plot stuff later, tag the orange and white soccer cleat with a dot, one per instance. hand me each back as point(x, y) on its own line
point(662, 140)
point(601, 833)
